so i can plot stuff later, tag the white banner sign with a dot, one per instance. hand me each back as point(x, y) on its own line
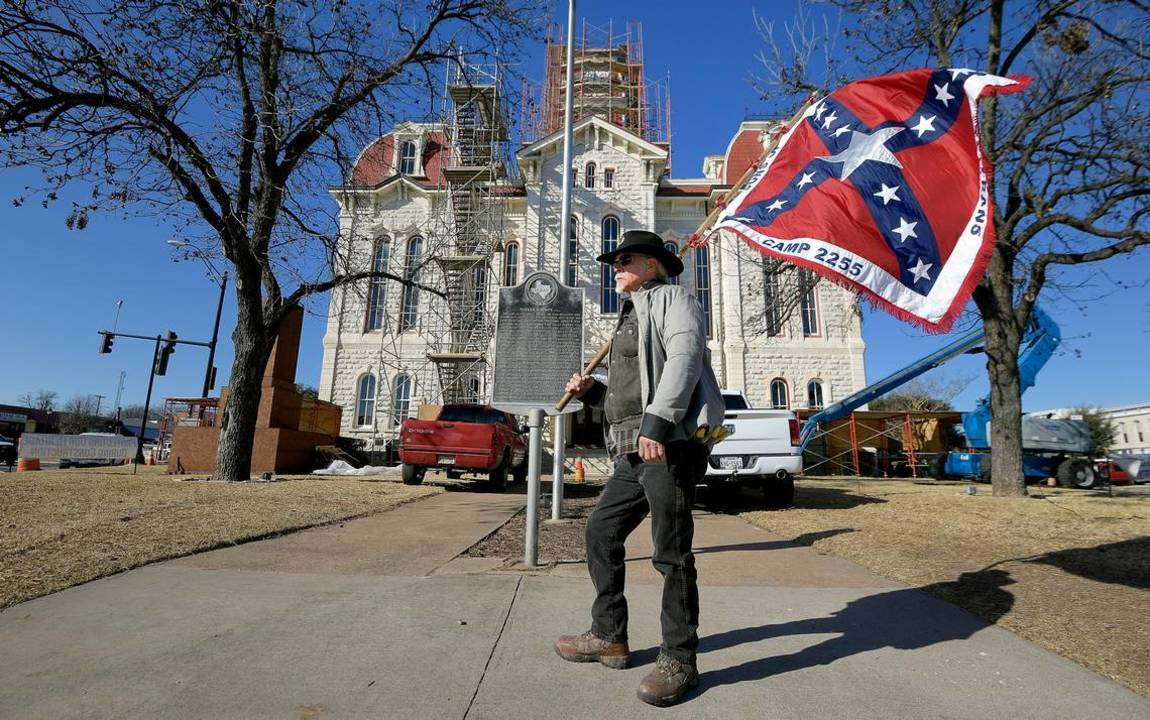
point(77, 447)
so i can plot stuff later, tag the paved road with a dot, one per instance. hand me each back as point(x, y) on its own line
point(379, 618)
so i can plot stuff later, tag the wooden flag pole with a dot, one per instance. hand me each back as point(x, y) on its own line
point(698, 236)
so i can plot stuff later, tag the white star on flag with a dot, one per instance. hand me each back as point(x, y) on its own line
point(865, 147)
point(905, 229)
point(819, 111)
point(841, 130)
point(807, 179)
point(942, 94)
point(924, 124)
point(956, 72)
point(888, 193)
point(829, 119)
point(920, 270)
point(777, 205)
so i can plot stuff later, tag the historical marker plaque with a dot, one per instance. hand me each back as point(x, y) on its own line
point(538, 342)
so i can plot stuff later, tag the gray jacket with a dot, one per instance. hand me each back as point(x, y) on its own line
point(679, 390)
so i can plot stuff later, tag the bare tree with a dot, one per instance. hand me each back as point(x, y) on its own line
point(1069, 154)
point(231, 118)
point(924, 394)
point(78, 414)
point(44, 400)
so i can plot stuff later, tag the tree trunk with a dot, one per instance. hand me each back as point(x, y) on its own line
point(1006, 474)
point(238, 418)
point(994, 298)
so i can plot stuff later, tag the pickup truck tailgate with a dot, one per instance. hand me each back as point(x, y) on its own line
point(447, 437)
point(755, 430)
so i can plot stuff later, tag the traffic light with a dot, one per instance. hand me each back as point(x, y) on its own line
point(106, 339)
point(166, 351)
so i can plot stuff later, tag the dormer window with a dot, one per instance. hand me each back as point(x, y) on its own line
point(407, 157)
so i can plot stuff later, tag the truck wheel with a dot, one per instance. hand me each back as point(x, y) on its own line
point(1078, 473)
point(412, 474)
point(497, 478)
point(519, 472)
point(938, 467)
point(779, 493)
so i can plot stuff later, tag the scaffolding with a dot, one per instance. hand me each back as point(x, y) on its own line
point(879, 443)
point(468, 229)
point(608, 82)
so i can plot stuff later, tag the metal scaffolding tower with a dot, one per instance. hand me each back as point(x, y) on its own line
point(470, 228)
point(608, 82)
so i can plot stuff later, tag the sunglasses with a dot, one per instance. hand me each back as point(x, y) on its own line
point(624, 260)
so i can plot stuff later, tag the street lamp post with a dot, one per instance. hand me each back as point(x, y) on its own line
point(208, 374)
point(222, 280)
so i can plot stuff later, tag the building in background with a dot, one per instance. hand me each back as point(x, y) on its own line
point(455, 204)
point(1132, 429)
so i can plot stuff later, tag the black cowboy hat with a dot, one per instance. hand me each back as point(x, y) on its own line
point(645, 242)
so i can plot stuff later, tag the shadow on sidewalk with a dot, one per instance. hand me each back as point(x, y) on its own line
point(901, 619)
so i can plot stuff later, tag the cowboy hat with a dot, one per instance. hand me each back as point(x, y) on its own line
point(645, 242)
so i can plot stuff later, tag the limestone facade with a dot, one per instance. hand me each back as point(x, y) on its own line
point(382, 205)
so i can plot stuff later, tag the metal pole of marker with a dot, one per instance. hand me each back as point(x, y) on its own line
point(534, 460)
point(559, 422)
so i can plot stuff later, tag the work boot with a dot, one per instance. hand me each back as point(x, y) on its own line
point(668, 682)
point(589, 648)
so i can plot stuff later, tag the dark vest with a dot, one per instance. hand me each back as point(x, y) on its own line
point(624, 390)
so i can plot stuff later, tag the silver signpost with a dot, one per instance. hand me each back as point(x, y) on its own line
point(538, 347)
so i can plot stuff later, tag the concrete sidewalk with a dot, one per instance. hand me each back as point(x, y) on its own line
point(376, 619)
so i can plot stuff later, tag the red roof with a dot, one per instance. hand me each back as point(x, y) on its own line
point(374, 165)
point(745, 152)
point(672, 190)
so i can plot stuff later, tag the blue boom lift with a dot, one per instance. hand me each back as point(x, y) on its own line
point(1051, 447)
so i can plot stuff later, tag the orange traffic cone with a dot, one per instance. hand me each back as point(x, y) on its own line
point(580, 473)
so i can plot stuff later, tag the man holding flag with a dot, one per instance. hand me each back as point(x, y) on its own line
point(881, 187)
point(661, 401)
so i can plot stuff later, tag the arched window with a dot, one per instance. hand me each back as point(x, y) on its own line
point(573, 251)
point(608, 177)
point(779, 394)
point(814, 394)
point(809, 306)
point(574, 176)
point(589, 175)
point(410, 308)
point(703, 283)
point(608, 298)
point(674, 249)
point(511, 264)
point(401, 398)
point(365, 401)
point(377, 287)
point(407, 157)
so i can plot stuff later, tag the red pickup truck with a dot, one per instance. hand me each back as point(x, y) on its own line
point(464, 438)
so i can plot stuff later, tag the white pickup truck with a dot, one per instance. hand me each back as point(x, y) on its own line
point(761, 449)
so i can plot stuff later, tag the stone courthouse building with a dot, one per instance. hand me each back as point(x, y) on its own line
point(457, 207)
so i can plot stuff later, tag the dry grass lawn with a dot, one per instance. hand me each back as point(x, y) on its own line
point(1065, 569)
point(61, 528)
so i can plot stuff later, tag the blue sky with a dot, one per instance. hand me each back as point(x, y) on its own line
point(62, 286)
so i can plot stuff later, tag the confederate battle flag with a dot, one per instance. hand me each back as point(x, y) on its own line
point(882, 187)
